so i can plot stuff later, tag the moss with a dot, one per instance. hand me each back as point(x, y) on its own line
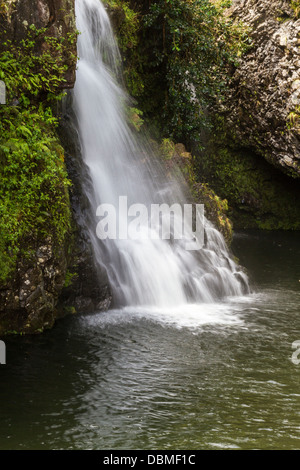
point(259, 195)
point(34, 202)
point(181, 164)
point(135, 119)
point(167, 148)
point(70, 277)
point(34, 197)
point(295, 4)
point(293, 118)
point(127, 25)
point(70, 310)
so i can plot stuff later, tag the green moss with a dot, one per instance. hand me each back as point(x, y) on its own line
point(127, 26)
point(295, 4)
point(34, 203)
point(33, 195)
point(70, 278)
point(167, 148)
point(259, 195)
point(135, 119)
point(293, 118)
point(70, 310)
point(180, 164)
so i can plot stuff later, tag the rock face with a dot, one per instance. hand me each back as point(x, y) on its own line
point(51, 280)
point(27, 302)
point(51, 284)
point(264, 104)
point(88, 290)
point(56, 16)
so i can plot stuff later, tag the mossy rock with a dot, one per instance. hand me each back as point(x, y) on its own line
point(180, 164)
point(258, 194)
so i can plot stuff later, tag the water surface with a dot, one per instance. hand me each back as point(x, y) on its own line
point(215, 376)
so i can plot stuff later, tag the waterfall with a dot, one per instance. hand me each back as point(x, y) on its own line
point(142, 270)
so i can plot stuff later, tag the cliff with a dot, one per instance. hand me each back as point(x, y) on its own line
point(46, 267)
point(251, 156)
point(245, 133)
point(56, 17)
point(264, 103)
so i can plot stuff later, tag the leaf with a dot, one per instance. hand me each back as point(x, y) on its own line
point(24, 131)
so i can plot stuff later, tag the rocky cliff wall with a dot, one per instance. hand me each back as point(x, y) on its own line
point(50, 276)
point(263, 107)
point(56, 16)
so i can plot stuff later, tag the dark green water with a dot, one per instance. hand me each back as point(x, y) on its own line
point(207, 377)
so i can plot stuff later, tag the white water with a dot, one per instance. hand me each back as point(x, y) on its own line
point(144, 271)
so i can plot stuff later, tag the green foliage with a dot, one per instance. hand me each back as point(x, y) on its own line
point(127, 24)
point(128, 42)
point(181, 164)
point(176, 55)
point(135, 118)
point(295, 4)
point(186, 49)
point(128, 37)
point(6, 7)
point(69, 278)
point(33, 194)
point(31, 76)
point(259, 195)
point(167, 148)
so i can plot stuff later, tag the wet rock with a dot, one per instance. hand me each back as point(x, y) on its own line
point(27, 302)
point(37, 293)
point(88, 290)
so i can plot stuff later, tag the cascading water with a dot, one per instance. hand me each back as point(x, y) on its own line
point(147, 270)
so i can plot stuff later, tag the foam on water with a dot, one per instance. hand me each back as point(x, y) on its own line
point(192, 316)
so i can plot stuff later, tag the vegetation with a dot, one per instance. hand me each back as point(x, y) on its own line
point(33, 194)
point(181, 164)
point(187, 48)
point(176, 57)
point(258, 194)
point(295, 4)
point(178, 67)
point(127, 25)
